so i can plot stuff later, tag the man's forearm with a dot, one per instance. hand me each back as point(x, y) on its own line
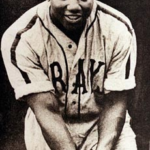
point(45, 108)
point(111, 120)
point(55, 131)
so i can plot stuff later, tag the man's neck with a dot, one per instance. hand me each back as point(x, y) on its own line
point(72, 34)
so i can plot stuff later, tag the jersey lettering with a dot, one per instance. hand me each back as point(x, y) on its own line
point(56, 66)
point(80, 76)
point(94, 72)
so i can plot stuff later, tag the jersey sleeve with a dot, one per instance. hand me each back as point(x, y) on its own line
point(23, 67)
point(120, 73)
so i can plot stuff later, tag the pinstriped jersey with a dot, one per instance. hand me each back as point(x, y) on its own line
point(39, 57)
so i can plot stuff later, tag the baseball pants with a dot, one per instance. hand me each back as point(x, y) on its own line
point(34, 139)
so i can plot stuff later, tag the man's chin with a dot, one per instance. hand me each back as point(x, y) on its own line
point(74, 27)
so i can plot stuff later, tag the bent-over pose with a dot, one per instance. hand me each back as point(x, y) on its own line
point(73, 62)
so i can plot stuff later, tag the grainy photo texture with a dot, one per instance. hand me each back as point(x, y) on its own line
point(70, 67)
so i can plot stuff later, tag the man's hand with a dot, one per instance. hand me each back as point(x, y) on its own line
point(111, 120)
point(46, 110)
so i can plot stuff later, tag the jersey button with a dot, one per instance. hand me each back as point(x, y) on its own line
point(70, 46)
point(74, 102)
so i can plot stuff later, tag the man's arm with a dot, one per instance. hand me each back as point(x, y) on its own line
point(45, 108)
point(112, 120)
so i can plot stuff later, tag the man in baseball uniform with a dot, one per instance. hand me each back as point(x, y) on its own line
point(73, 62)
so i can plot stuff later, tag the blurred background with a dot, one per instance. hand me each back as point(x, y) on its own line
point(12, 112)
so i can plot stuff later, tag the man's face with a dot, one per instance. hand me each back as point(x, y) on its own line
point(71, 14)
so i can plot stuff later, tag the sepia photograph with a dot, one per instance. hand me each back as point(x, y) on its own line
point(75, 75)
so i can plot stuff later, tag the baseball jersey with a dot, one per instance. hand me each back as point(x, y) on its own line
point(39, 57)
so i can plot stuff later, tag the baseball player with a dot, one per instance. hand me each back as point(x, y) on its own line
point(73, 62)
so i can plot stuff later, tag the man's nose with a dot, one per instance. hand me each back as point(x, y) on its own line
point(74, 6)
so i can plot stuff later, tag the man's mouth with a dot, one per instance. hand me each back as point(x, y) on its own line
point(73, 18)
